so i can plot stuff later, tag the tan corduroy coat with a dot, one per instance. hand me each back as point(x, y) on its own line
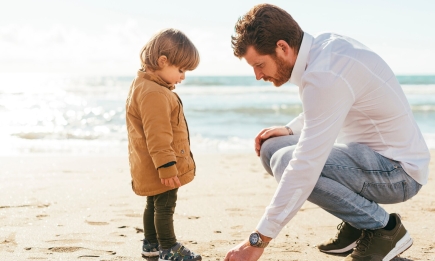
point(157, 134)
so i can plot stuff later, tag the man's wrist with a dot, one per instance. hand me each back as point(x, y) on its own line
point(264, 238)
point(290, 132)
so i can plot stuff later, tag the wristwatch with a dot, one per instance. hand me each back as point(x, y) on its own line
point(255, 240)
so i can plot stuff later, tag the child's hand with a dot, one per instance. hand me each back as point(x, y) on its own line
point(173, 182)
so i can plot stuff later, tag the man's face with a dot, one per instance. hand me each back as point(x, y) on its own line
point(273, 68)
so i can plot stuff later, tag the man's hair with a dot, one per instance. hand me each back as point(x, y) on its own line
point(175, 45)
point(262, 27)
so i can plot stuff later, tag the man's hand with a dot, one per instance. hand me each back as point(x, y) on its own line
point(267, 133)
point(244, 252)
point(172, 182)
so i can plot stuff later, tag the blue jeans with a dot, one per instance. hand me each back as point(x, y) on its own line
point(353, 182)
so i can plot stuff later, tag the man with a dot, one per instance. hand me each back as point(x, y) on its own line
point(355, 145)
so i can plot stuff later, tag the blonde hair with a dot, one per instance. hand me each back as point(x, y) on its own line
point(175, 45)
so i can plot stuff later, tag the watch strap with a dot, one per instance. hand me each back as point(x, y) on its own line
point(262, 244)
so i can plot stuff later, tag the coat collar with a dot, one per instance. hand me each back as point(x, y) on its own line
point(155, 78)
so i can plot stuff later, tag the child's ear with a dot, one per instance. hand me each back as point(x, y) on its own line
point(162, 61)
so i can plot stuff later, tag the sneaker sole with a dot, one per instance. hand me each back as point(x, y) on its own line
point(150, 254)
point(340, 251)
point(401, 246)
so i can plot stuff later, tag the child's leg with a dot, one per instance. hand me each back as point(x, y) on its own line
point(164, 207)
point(148, 221)
point(150, 246)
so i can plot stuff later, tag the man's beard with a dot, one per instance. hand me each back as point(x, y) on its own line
point(283, 73)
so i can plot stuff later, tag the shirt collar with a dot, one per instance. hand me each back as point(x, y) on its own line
point(301, 60)
point(155, 78)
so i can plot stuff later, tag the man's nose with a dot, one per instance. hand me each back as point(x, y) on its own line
point(258, 74)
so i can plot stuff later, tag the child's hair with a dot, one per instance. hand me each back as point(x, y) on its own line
point(172, 43)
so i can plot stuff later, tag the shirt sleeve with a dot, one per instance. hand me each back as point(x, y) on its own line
point(297, 124)
point(326, 100)
point(155, 109)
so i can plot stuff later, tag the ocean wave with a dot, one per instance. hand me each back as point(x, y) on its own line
point(251, 110)
point(236, 89)
point(416, 79)
point(423, 108)
point(251, 81)
point(57, 135)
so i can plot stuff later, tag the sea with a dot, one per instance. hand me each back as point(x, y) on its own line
point(72, 114)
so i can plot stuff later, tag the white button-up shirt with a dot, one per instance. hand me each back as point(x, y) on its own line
point(349, 94)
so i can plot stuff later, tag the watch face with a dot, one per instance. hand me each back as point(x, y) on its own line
point(253, 239)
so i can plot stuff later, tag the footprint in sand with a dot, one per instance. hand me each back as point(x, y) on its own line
point(8, 244)
point(236, 212)
point(64, 249)
point(139, 230)
point(88, 252)
point(133, 215)
point(96, 223)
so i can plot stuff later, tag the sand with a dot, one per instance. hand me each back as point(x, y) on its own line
point(83, 208)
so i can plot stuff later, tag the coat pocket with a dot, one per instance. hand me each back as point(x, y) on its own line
point(184, 160)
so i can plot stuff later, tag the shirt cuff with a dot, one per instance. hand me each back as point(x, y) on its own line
point(297, 124)
point(268, 228)
point(168, 172)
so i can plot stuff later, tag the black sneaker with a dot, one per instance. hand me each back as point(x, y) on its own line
point(149, 249)
point(178, 252)
point(381, 244)
point(344, 241)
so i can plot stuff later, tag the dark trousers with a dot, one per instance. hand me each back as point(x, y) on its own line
point(158, 221)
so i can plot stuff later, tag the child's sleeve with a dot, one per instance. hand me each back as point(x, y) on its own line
point(155, 110)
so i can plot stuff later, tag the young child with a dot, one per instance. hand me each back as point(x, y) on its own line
point(158, 139)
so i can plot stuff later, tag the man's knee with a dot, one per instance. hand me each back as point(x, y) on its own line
point(280, 160)
point(265, 155)
point(266, 151)
point(271, 146)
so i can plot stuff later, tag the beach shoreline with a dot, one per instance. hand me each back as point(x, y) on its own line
point(82, 208)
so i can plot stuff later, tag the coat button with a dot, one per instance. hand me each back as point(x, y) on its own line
point(182, 151)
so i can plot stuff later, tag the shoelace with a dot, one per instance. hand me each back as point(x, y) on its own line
point(363, 242)
point(339, 227)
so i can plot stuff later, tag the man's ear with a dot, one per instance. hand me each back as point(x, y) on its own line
point(162, 61)
point(282, 46)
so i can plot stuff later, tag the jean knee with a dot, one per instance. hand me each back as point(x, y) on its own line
point(272, 146)
point(278, 165)
point(266, 153)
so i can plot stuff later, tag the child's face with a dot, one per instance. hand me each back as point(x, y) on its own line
point(171, 74)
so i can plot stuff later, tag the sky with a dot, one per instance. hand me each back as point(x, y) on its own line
point(104, 37)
